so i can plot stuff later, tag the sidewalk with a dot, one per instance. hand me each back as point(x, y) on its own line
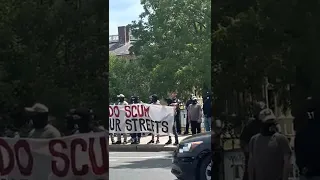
point(143, 146)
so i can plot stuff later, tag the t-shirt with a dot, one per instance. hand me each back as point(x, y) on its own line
point(47, 132)
point(268, 154)
point(194, 111)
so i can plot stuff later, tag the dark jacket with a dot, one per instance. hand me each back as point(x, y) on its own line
point(207, 108)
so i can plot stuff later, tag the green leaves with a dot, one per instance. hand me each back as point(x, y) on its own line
point(174, 44)
point(54, 52)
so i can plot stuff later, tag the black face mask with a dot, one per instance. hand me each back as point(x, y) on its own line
point(40, 120)
point(84, 125)
point(121, 99)
point(267, 129)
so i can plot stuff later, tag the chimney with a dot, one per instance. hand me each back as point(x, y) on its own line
point(122, 34)
point(127, 33)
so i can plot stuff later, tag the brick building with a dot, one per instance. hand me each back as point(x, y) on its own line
point(120, 44)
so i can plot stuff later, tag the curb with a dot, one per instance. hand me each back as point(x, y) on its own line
point(140, 148)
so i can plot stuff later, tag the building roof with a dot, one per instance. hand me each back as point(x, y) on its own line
point(120, 49)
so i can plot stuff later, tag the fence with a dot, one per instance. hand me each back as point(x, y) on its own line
point(234, 166)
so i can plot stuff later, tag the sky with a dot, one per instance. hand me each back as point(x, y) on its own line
point(123, 12)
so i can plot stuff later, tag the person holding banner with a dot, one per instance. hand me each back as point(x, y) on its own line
point(121, 102)
point(39, 115)
point(187, 105)
point(155, 101)
point(135, 137)
point(173, 103)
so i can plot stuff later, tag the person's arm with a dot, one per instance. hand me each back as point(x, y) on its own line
point(287, 152)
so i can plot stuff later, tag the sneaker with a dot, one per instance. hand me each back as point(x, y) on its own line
point(176, 143)
point(158, 142)
point(169, 142)
point(151, 142)
point(186, 133)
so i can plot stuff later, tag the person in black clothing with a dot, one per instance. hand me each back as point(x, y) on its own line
point(176, 102)
point(84, 119)
point(135, 137)
point(172, 103)
point(187, 105)
point(307, 144)
point(207, 111)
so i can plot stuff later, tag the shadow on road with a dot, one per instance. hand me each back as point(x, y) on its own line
point(147, 164)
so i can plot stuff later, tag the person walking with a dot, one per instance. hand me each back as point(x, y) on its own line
point(207, 112)
point(187, 123)
point(154, 101)
point(121, 101)
point(269, 151)
point(195, 116)
point(39, 114)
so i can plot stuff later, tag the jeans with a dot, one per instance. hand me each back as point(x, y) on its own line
point(207, 123)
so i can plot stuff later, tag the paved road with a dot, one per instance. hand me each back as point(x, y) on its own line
point(140, 165)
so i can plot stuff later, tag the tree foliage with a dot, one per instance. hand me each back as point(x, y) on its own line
point(54, 52)
point(174, 45)
point(258, 39)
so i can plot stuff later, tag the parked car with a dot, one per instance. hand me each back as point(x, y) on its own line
point(193, 159)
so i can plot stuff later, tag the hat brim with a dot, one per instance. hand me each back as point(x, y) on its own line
point(29, 109)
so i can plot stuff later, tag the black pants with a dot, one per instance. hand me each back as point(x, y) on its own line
point(187, 127)
point(195, 127)
point(178, 124)
point(174, 131)
point(136, 136)
point(245, 173)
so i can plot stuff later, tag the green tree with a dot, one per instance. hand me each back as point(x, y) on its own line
point(128, 78)
point(56, 55)
point(174, 44)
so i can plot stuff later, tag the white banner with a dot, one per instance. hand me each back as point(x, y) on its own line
point(78, 157)
point(140, 118)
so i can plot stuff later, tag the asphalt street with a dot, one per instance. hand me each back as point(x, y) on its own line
point(140, 165)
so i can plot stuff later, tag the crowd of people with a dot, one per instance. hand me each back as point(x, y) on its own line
point(36, 124)
point(268, 152)
point(195, 112)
